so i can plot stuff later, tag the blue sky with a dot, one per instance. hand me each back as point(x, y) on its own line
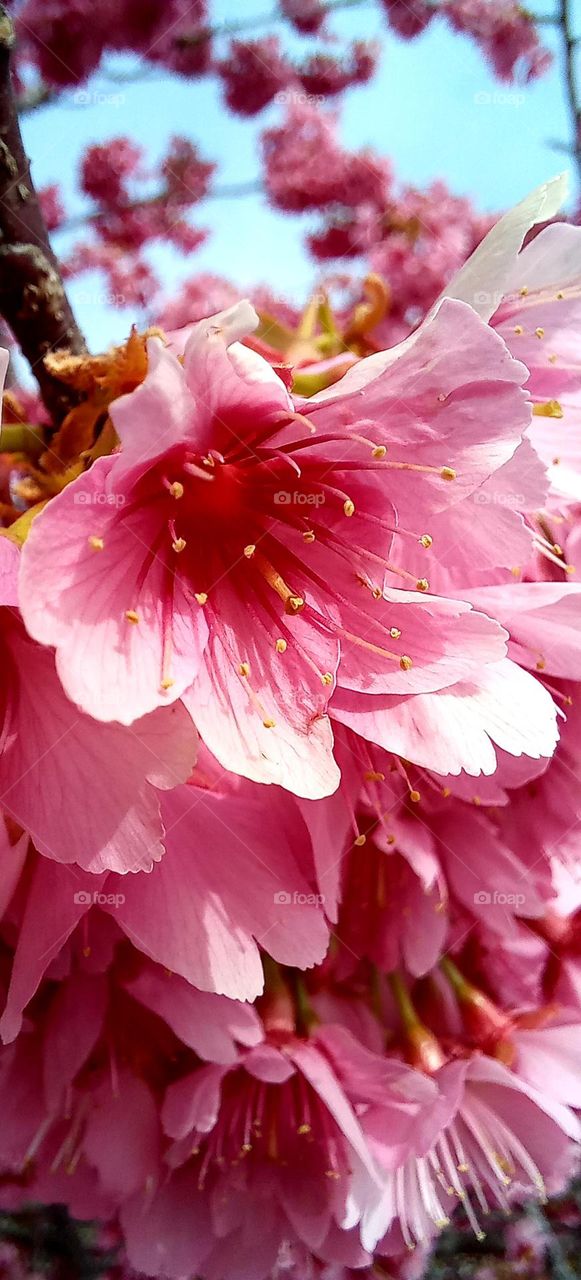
point(434, 108)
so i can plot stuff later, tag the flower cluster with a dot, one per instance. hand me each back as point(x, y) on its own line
point(290, 910)
point(417, 239)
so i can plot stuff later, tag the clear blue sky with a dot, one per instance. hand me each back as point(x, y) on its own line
point(434, 108)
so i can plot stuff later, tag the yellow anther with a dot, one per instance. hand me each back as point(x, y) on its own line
point(167, 682)
point(422, 584)
point(280, 646)
point(249, 550)
point(294, 604)
point(476, 800)
point(327, 678)
point(304, 1128)
point(405, 663)
point(360, 840)
point(426, 541)
point(131, 615)
point(541, 664)
point(373, 776)
point(244, 669)
point(523, 292)
point(549, 409)
point(394, 633)
point(518, 329)
point(308, 536)
point(377, 593)
point(539, 333)
point(560, 295)
point(176, 489)
point(552, 359)
point(96, 544)
point(446, 792)
point(179, 545)
point(448, 473)
point(268, 723)
point(415, 797)
point(379, 451)
point(201, 597)
point(349, 507)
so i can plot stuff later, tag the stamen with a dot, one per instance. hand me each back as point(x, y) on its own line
point(280, 646)
point(131, 615)
point(96, 544)
point(548, 409)
point(197, 472)
point(293, 603)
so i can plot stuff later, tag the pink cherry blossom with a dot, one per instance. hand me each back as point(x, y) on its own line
point(212, 561)
point(52, 753)
point(491, 1135)
point(234, 879)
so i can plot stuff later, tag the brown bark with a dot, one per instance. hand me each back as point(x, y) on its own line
point(33, 300)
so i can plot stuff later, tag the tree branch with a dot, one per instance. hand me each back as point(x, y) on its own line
point(571, 87)
point(32, 296)
point(229, 191)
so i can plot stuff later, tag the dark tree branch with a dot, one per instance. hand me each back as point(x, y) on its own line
point(32, 296)
point(570, 43)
